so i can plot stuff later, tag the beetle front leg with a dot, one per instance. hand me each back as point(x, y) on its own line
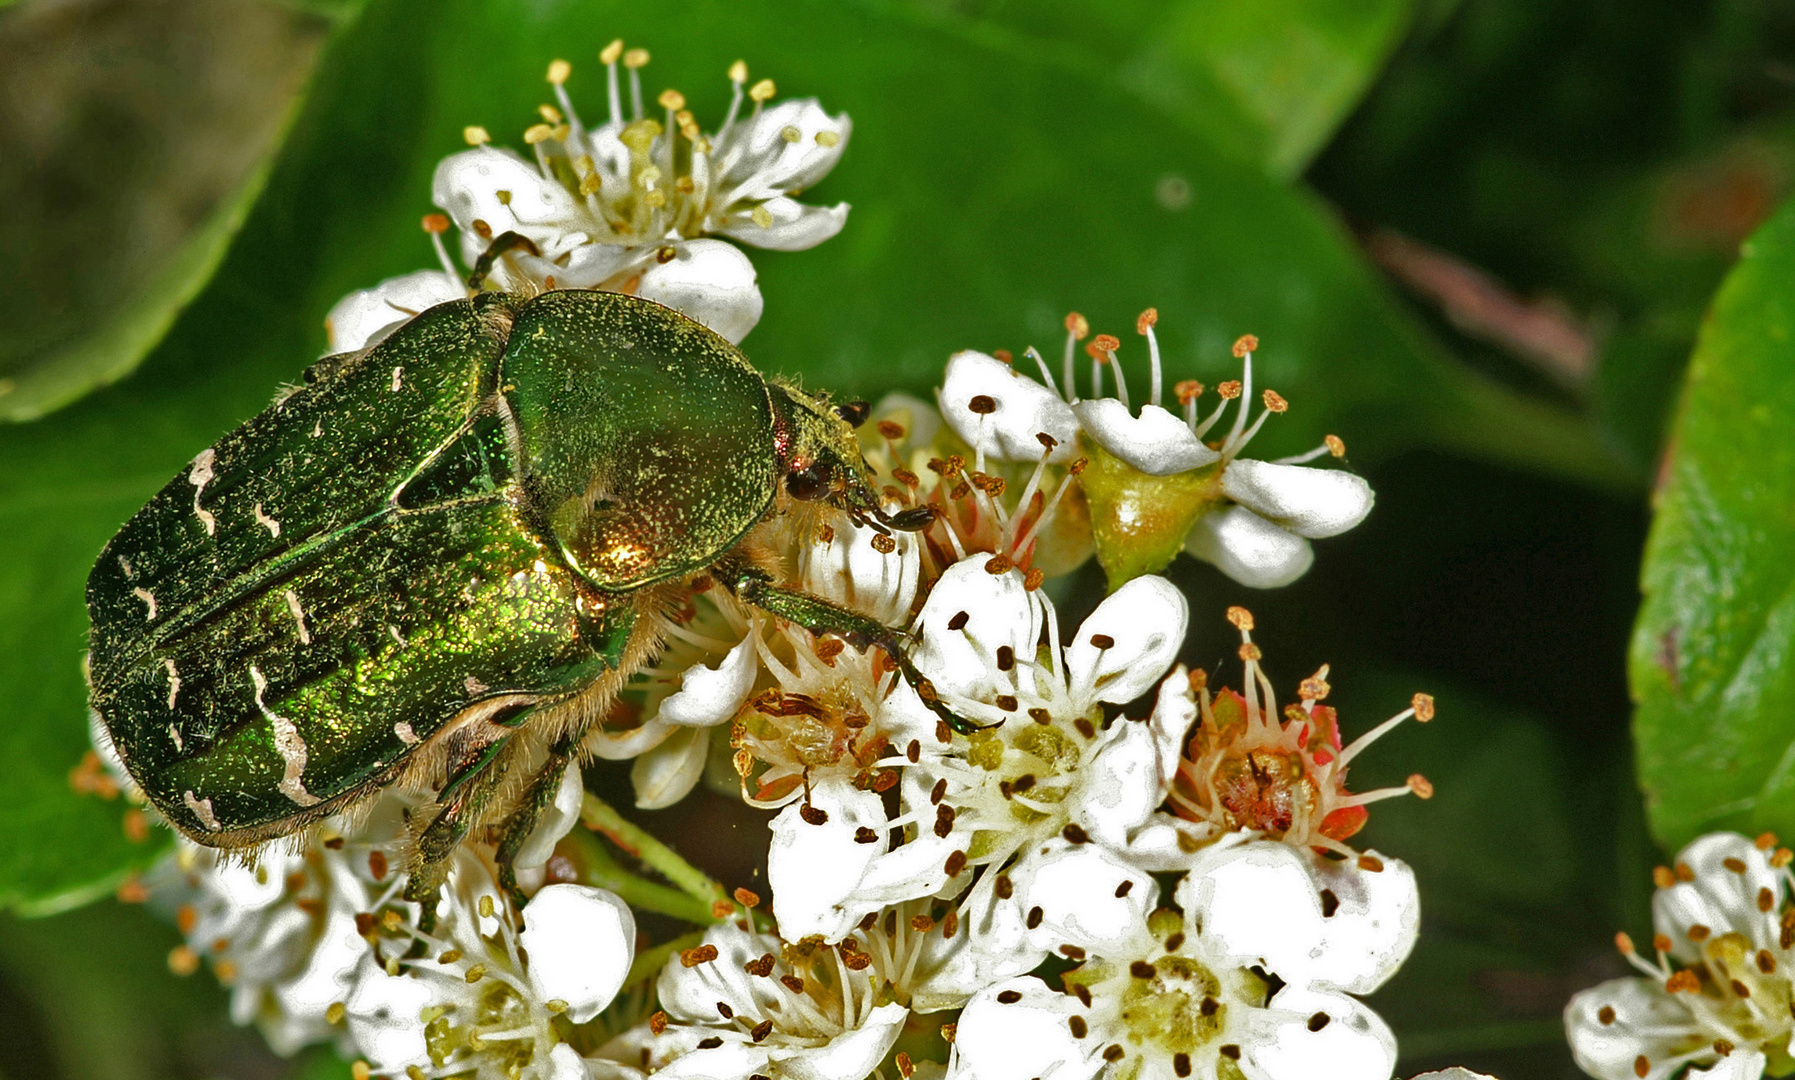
point(819, 616)
point(522, 821)
point(462, 799)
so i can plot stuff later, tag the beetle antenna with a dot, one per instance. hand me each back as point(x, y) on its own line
point(502, 243)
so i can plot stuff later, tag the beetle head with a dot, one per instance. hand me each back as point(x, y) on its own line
point(820, 460)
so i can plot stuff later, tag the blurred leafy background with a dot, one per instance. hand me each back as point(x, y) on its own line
point(1476, 237)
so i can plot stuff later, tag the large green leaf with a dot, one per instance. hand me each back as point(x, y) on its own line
point(1713, 656)
point(992, 191)
point(1268, 80)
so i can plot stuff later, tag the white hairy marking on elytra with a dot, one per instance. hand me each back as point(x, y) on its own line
point(406, 735)
point(175, 734)
point(287, 743)
point(305, 636)
point(398, 378)
point(394, 630)
point(317, 428)
point(125, 565)
point(174, 690)
point(202, 809)
point(475, 686)
point(201, 475)
point(266, 522)
point(149, 600)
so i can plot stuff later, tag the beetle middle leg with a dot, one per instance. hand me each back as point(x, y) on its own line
point(819, 616)
point(522, 821)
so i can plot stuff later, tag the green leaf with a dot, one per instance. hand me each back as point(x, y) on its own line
point(992, 192)
point(1713, 656)
point(1268, 80)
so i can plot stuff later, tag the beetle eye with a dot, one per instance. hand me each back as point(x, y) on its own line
point(808, 484)
point(854, 412)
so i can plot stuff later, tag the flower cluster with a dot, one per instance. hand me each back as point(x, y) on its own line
point(1719, 994)
point(1011, 848)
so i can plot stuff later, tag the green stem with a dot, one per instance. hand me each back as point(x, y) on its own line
point(596, 867)
point(601, 816)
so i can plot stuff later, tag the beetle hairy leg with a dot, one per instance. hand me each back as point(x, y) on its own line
point(819, 616)
point(522, 821)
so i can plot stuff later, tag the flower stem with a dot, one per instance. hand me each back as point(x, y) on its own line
point(597, 867)
point(602, 817)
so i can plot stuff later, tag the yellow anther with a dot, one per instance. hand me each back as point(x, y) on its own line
point(672, 99)
point(503, 196)
point(1240, 617)
point(640, 135)
point(555, 1006)
point(183, 960)
point(610, 53)
point(738, 72)
point(762, 90)
point(635, 58)
point(1336, 446)
point(360, 1070)
point(1077, 326)
point(790, 134)
point(1250, 652)
point(558, 71)
point(1188, 390)
point(476, 135)
point(485, 907)
point(1274, 401)
point(655, 199)
point(476, 973)
point(684, 185)
point(436, 223)
point(828, 138)
point(549, 113)
point(1229, 390)
point(536, 133)
point(1246, 344)
point(335, 1013)
point(589, 184)
point(762, 217)
point(561, 132)
point(1146, 320)
point(1624, 943)
point(1423, 704)
point(1420, 786)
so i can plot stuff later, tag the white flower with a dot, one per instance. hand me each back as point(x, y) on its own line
point(744, 1003)
point(1046, 773)
point(367, 316)
point(1720, 993)
point(482, 998)
point(626, 206)
point(1278, 773)
point(1457, 1072)
point(1154, 484)
point(1253, 974)
point(282, 933)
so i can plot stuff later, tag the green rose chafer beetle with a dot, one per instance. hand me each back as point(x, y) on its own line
point(437, 562)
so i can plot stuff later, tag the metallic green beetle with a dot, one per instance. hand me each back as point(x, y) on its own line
point(434, 563)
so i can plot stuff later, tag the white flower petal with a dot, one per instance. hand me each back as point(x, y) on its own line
point(1024, 1039)
point(793, 226)
point(670, 771)
point(1717, 897)
point(586, 266)
point(565, 1063)
point(1739, 1065)
point(1353, 1043)
point(1248, 548)
point(1457, 1072)
point(710, 281)
point(1120, 786)
point(1648, 1020)
point(999, 612)
point(853, 1054)
point(734, 1060)
point(383, 1018)
point(1174, 712)
point(707, 695)
point(690, 994)
point(993, 944)
point(1145, 621)
point(815, 869)
point(467, 186)
point(1025, 408)
point(581, 941)
point(557, 820)
point(327, 977)
point(1167, 843)
point(771, 164)
point(1155, 442)
point(1308, 501)
point(850, 571)
point(624, 745)
point(1263, 902)
point(1079, 890)
point(367, 316)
